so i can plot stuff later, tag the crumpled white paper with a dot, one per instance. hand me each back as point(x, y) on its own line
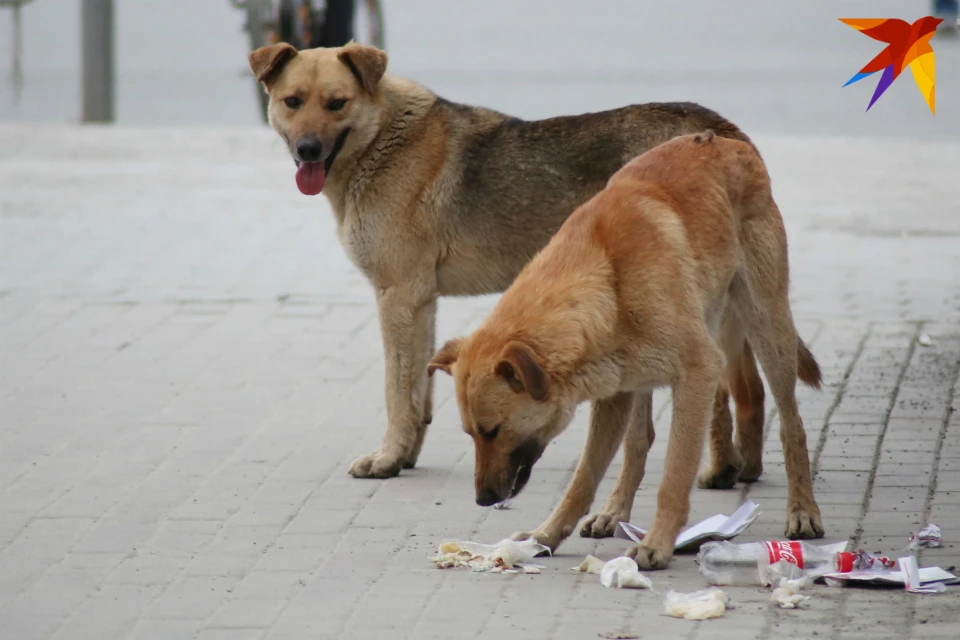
point(788, 595)
point(506, 556)
point(624, 573)
point(699, 605)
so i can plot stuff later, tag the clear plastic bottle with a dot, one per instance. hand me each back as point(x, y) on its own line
point(726, 563)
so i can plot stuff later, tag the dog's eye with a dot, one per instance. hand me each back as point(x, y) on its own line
point(336, 105)
point(490, 435)
point(293, 102)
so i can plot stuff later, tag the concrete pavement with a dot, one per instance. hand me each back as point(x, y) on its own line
point(190, 364)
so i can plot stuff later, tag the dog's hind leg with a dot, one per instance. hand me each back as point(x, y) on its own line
point(748, 395)
point(725, 463)
point(636, 444)
point(760, 299)
point(608, 421)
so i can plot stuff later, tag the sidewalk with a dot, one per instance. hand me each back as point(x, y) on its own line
point(190, 364)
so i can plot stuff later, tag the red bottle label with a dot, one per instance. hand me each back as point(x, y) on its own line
point(790, 552)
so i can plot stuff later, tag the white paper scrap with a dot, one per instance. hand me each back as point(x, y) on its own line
point(718, 527)
point(624, 573)
point(911, 580)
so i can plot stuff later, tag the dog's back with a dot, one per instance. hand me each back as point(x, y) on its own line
point(688, 165)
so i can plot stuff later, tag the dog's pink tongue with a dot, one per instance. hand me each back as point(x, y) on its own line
point(310, 178)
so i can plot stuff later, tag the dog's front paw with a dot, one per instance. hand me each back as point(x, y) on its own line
point(602, 525)
point(376, 465)
point(803, 523)
point(649, 558)
point(546, 538)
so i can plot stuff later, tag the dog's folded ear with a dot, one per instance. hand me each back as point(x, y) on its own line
point(519, 367)
point(267, 62)
point(445, 358)
point(368, 64)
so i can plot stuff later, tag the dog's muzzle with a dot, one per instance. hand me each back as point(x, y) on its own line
point(310, 149)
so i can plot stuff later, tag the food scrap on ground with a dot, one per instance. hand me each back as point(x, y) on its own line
point(699, 605)
point(590, 564)
point(506, 556)
point(788, 595)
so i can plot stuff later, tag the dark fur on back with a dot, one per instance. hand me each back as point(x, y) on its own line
point(519, 179)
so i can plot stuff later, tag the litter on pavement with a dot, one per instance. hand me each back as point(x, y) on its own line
point(911, 578)
point(788, 595)
point(590, 564)
point(929, 536)
point(718, 527)
point(764, 563)
point(882, 576)
point(699, 605)
point(623, 573)
point(506, 556)
point(924, 339)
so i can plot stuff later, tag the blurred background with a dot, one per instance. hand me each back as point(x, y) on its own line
point(772, 67)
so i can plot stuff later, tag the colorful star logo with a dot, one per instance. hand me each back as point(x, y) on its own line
point(907, 44)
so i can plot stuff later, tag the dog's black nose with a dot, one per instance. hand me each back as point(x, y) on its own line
point(487, 497)
point(309, 149)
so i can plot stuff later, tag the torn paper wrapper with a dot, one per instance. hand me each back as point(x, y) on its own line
point(506, 556)
point(911, 578)
point(699, 605)
point(889, 577)
point(623, 573)
point(718, 527)
point(929, 536)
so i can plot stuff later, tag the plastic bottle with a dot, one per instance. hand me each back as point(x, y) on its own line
point(726, 563)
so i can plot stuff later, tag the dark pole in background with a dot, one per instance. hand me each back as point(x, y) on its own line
point(98, 66)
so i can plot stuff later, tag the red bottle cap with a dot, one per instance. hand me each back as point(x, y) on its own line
point(845, 561)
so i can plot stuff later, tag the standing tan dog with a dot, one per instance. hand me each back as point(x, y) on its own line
point(659, 280)
point(434, 198)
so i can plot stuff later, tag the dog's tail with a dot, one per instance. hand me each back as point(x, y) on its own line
point(705, 136)
point(807, 368)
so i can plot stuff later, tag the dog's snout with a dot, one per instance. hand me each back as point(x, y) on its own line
point(309, 149)
point(487, 497)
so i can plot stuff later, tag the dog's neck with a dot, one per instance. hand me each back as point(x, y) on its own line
point(369, 149)
point(574, 331)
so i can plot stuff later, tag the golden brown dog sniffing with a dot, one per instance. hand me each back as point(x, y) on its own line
point(659, 280)
point(435, 198)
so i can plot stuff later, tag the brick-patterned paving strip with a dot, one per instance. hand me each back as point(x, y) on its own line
point(190, 364)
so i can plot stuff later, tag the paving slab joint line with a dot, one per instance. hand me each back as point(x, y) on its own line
point(884, 424)
point(841, 392)
point(932, 488)
point(868, 491)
